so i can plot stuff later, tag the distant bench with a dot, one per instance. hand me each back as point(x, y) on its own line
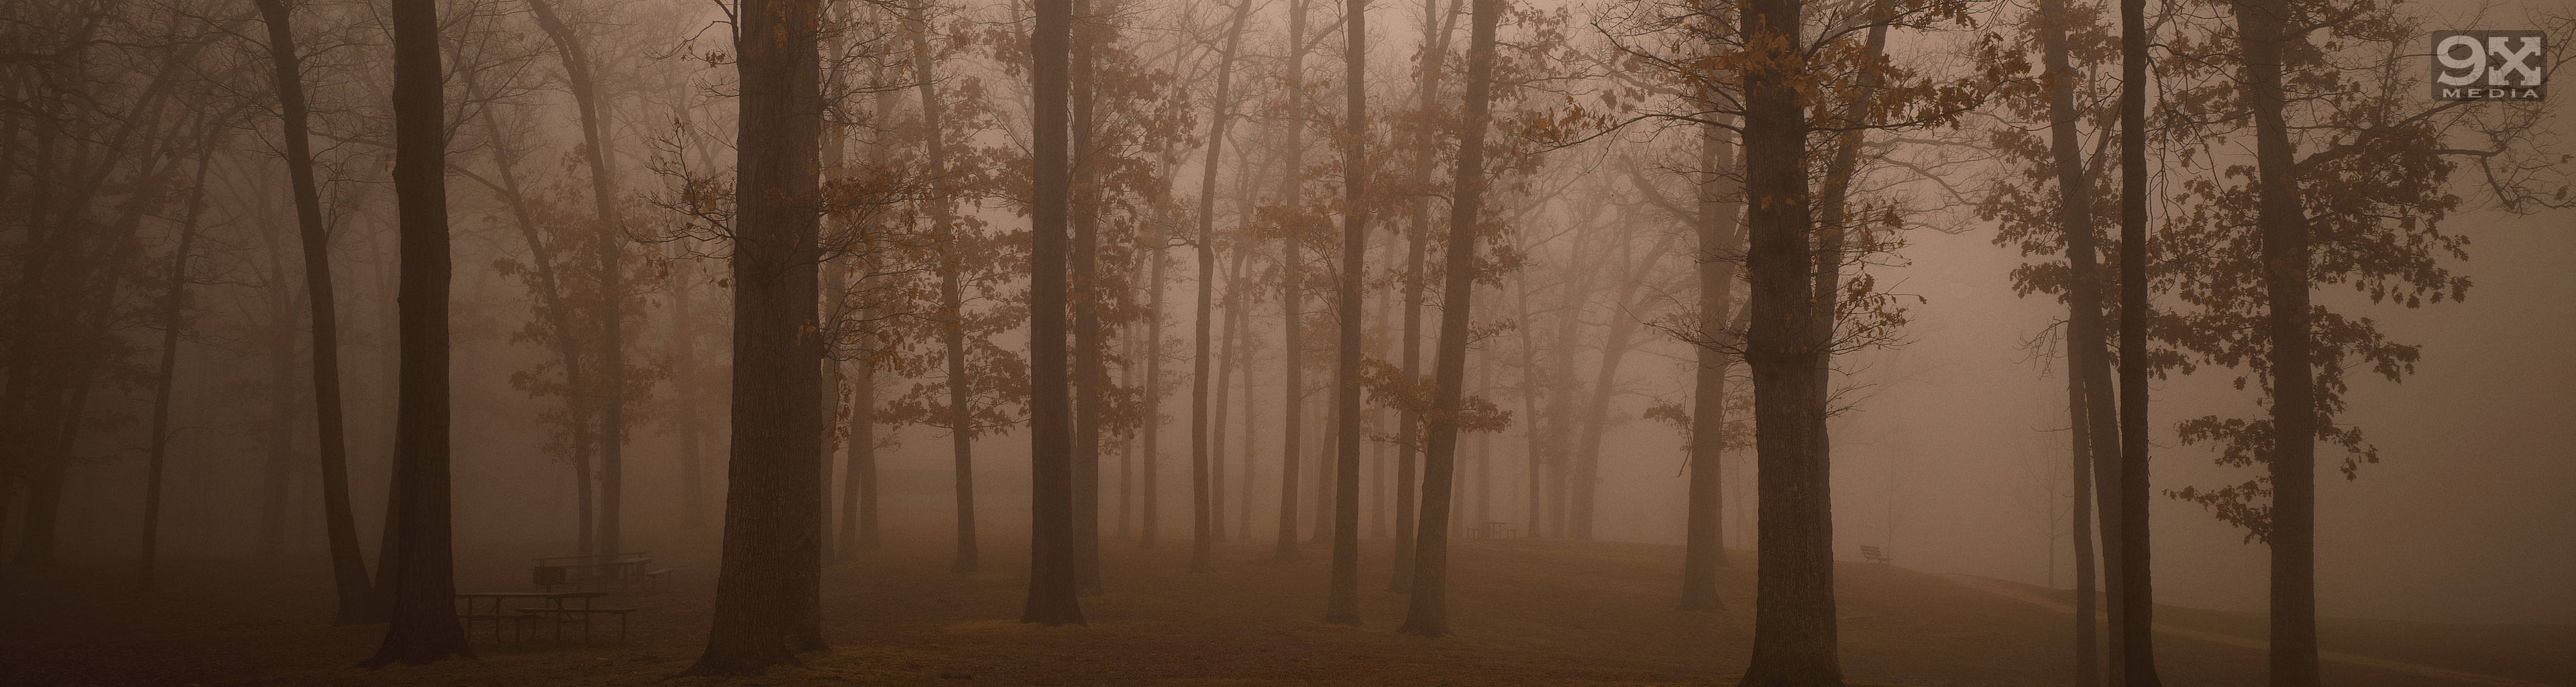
point(1875, 555)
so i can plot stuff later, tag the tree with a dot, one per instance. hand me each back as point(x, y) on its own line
point(1051, 599)
point(772, 497)
point(1720, 237)
point(951, 291)
point(171, 307)
point(1342, 606)
point(1203, 523)
point(349, 570)
point(1292, 295)
point(423, 626)
point(1429, 613)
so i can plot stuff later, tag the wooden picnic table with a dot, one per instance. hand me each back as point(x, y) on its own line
point(556, 602)
point(557, 570)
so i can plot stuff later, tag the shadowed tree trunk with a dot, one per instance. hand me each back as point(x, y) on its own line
point(1530, 443)
point(684, 389)
point(603, 192)
point(1793, 622)
point(1429, 614)
point(1720, 237)
point(2284, 225)
point(423, 626)
point(2088, 651)
point(171, 304)
point(1204, 523)
point(2085, 406)
point(773, 489)
point(1088, 372)
point(1051, 599)
point(1292, 295)
point(1343, 604)
point(2138, 648)
point(952, 309)
point(1435, 38)
point(1150, 466)
point(348, 567)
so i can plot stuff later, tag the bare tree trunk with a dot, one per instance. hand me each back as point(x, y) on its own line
point(2138, 599)
point(348, 567)
point(1088, 371)
point(2088, 648)
point(1204, 524)
point(1292, 296)
point(1052, 599)
point(171, 305)
point(772, 539)
point(1720, 237)
point(1793, 624)
point(1342, 606)
point(2284, 224)
point(684, 389)
point(423, 626)
point(1605, 386)
point(610, 245)
point(952, 309)
point(1435, 39)
point(1531, 445)
point(1429, 614)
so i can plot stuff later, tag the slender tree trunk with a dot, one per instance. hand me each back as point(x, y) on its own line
point(1052, 599)
point(1435, 41)
point(859, 478)
point(1292, 295)
point(171, 307)
point(684, 389)
point(2088, 648)
point(1530, 442)
point(610, 245)
point(1202, 486)
point(423, 627)
point(2284, 222)
point(1088, 372)
point(1343, 604)
point(771, 538)
point(1720, 238)
point(1429, 614)
point(952, 309)
point(348, 567)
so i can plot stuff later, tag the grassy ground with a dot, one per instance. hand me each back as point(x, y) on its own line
point(1527, 613)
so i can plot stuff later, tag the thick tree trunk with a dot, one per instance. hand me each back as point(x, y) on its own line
point(1088, 372)
point(1292, 294)
point(1429, 613)
point(764, 597)
point(1342, 606)
point(1793, 623)
point(1052, 599)
point(2084, 353)
point(423, 626)
point(2284, 223)
point(1720, 238)
point(2136, 573)
point(348, 567)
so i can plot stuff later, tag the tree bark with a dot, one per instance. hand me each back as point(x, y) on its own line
point(348, 567)
point(2088, 651)
point(1292, 295)
point(772, 536)
point(1052, 599)
point(1793, 624)
point(1428, 615)
point(1720, 237)
point(423, 626)
point(2137, 574)
point(2284, 223)
point(1342, 605)
point(952, 309)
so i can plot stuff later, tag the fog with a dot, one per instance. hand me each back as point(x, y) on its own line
point(712, 288)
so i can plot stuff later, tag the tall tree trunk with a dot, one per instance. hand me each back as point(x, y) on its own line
point(1052, 599)
point(1088, 371)
point(348, 567)
point(2087, 354)
point(1343, 604)
point(961, 439)
point(1292, 294)
point(1720, 237)
point(2138, 598)
point(2283, 220)
point(773, 486)
point(1531, 445)
point(423, 626)
point(1204, 521)
point(2088, 648)
point(684, 389)
point(1793, 624)
point(1435, 42)
point(171, 307)
point(1605, 386)
point(610, 244)
point(1429, 614)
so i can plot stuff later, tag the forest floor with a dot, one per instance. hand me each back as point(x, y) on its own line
point(1526, 612)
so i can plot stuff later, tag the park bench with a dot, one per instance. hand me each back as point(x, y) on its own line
point(1875, 555)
